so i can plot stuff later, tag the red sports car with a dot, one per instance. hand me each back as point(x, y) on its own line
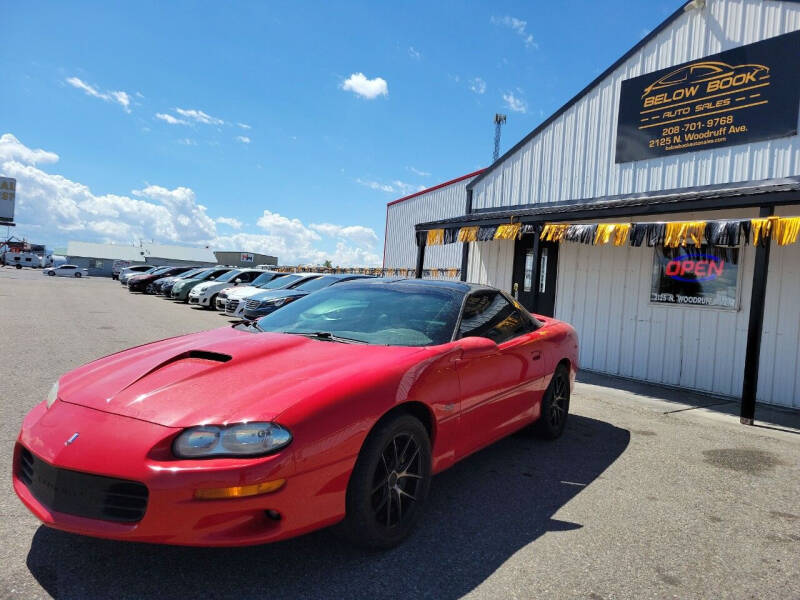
point(336, 409)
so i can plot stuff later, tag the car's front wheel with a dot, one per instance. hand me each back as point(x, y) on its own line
point(389, 484)
point(51, 273)
point(555, 406)
point(78, 275)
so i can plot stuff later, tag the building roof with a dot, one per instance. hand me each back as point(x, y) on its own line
point(140, 253)
point(544, 124)
point(105, 251)
point(436, 187)
point(708, 197)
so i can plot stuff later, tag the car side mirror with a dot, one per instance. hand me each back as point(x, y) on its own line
point(474, 347)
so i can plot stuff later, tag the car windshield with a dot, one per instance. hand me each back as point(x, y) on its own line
point(159, 270)
point(201, 274)
point(263, 279)
point(390, 315)
point(229, 276)
point(316, 284)
point(281, 282)
point(189, 274)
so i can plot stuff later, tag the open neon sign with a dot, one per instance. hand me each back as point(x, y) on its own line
point(700, 267)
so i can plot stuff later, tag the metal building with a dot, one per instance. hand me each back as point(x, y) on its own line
point(244, 259)
point(438, 202)
point(99, 258)
point(697, 123)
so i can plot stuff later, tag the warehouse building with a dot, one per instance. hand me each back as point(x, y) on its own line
point(654, 210)
point(99, 258)
point(441, 201)
point(245, 259)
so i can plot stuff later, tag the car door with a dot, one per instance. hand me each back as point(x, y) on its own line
point(66, 271)
point(501, 391)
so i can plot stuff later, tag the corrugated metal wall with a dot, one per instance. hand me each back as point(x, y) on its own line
point(401, 247)
point(779, 374)
point(604, 292)
point(574, 157)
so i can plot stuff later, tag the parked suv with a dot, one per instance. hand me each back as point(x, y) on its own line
point(182, 287)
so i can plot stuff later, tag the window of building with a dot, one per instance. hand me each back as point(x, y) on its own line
point(489, 314)
point(95, 263)
point(704, 276)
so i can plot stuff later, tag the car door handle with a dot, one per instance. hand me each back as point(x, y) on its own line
point(536, 354)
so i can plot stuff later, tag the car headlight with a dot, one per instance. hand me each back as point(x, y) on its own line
point(276, 303)
point(242, 439)
point(52, 395)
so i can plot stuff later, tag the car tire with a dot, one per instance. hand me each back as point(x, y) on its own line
point(51, 273)
point(212, 303)
point(555, 406)
point(388, 485)
point(78, 275)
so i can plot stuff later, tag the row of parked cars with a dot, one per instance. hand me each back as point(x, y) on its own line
point(242, 293)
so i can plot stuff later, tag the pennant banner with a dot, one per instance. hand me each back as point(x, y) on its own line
point(672, 234)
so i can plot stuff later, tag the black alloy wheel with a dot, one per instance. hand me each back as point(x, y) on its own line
point(555, 406)
point(389, 484)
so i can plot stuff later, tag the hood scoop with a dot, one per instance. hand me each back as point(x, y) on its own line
point(188, 355)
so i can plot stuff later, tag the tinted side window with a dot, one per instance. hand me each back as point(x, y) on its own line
point(490, 315)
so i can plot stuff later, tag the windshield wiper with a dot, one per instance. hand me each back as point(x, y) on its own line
point(326, 336)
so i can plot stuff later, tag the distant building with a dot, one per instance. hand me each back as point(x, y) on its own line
point(245, 259)
point(99, 258)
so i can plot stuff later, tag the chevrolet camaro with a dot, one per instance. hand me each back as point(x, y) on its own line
point(336, 409)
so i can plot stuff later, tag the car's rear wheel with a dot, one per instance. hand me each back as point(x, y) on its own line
point(555, 406)
point(389, 484)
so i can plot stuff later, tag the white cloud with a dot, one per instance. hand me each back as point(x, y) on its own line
point(477, 85)
point(414, 53)
point(395, 187)
point(375, 185)
point(11, 149)
point(418, 172)
point(244, 125)
point(59, 209)
point(518, 26)
point(366, 88)
point(199, 116)
point(229, 221)
point(170, 119)
point(516, 104)
point(243, 138)
point(187, 142)
point(116, 96)
point(358, 234)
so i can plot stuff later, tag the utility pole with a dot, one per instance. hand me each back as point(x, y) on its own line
point(499, 120)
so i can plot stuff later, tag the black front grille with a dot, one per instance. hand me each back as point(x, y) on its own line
point(82, 494)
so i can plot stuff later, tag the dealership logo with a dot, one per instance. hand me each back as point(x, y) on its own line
point(700, 79)
point(700, 267)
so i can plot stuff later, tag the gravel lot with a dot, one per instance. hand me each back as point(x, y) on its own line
point(645, 496)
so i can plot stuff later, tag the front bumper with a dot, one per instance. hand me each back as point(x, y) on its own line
point(199, 300)
point(172, 515)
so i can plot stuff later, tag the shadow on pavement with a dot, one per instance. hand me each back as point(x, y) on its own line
point(479, 513)
point(786, 419)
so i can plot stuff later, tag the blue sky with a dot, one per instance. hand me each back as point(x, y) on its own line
point(157, 120)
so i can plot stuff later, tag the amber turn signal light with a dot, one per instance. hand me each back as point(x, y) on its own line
point(239, 491)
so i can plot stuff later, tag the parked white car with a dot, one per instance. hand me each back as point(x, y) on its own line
point(205, 294)
point(66, 271)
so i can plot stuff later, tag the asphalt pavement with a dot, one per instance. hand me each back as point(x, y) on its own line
point(649, 493)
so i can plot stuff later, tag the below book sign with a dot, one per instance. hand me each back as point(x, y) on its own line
point(744, 95)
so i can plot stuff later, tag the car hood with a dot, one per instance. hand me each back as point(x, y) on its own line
point(221, 376)
point(209, 285)
point(243, 292)
point(266, 295)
